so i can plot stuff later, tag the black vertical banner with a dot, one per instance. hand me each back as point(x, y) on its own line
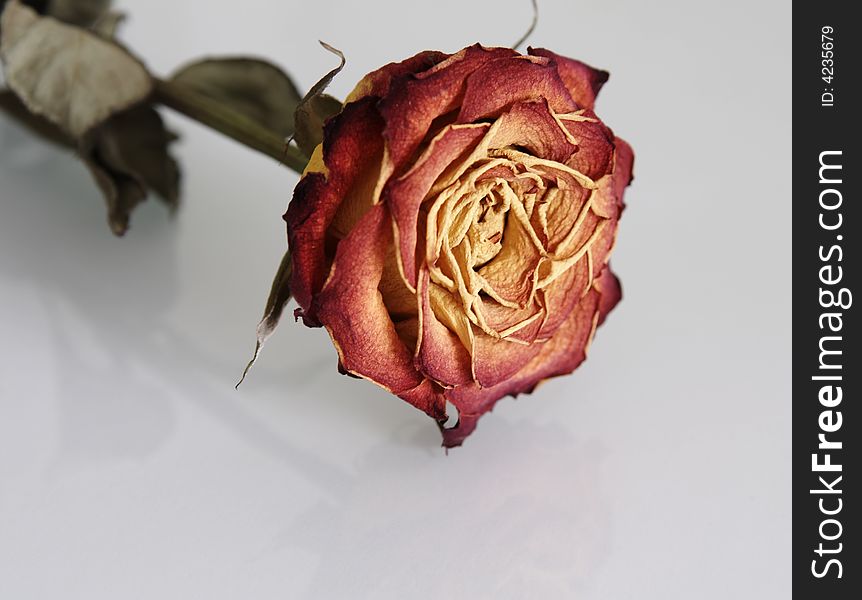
point(827, 364)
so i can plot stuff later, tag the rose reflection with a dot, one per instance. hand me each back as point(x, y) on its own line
point(534, 502)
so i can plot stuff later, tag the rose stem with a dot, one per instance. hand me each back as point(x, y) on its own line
point(227, 121)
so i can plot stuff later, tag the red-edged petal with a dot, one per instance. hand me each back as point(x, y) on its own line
point(608, 201)
point(563, 294)
point(405, 195)
point(582, 80)
point(428, 398)
point(440, 355)
point(532, 125)
point(415, 101)
point(352, 146)
point(511, 274)
point(377, 82)
point(559, 356)
point(624, 159)
point(522, 324)
point(496, 86)
point(496, 360)
point(595, 141)
point(352, 309)
point(608, 286)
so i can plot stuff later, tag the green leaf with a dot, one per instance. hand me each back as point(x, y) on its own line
point(252, 87)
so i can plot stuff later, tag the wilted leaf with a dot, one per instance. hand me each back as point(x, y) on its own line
point(279, 295)
point(255, 88)
point(108, 24)
point(127, 155)
point(122, 193)
point(73, 77)
point(83, 13)
point(12, 106)
point(315, 108)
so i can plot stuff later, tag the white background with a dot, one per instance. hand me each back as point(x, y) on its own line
point(131, 468)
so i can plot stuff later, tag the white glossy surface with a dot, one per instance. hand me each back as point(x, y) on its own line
point(131, 468)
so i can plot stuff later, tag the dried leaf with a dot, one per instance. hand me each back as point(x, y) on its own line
point(45, 129)
point(108, 24)
point(73, 77)
point(279, 295)
point(83, 13)
point(255, 88)
point(122, 193)
point(315, 108)
point(127, 155)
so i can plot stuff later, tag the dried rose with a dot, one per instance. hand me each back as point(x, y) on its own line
point(452, 231)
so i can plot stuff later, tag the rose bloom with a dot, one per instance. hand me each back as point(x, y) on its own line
point(452, 231)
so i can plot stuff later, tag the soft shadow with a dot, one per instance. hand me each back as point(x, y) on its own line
point(102, 300)
point(120, 365)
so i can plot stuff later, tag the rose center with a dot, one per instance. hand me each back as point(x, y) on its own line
point(486, 232)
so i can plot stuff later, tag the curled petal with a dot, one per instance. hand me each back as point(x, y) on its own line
point(428, 398)
point(351, 148)
point(532, 125)
point(440, 355)
point(352, 309)
point(512, 274)
point(624, 160)
point(562, 295)
point(498, 85)
point(558, 356)
point(405, 194)
point(496, 360)
point(377, 82)
point(595, 144)
point(608, 286)
point(415, 101)
point(582, 80)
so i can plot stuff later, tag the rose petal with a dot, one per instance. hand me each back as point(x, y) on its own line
point(427, 397)
point(562, 295)
point(499, 84)
point(352, 310)
point(401, 301)
point(532, 125)
point(405, 194)
point(521, 324)
point(496, 360)
point(582, 80)
point(511, 275)
point(624, 159)
point(377, 82)
point(595, 153)
point(450, 312)
point(351, 149)
point(415, 101)
point(608, 286)
point(569, 217)
point(440, 355)
point(608, 199)
point(559, 356)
